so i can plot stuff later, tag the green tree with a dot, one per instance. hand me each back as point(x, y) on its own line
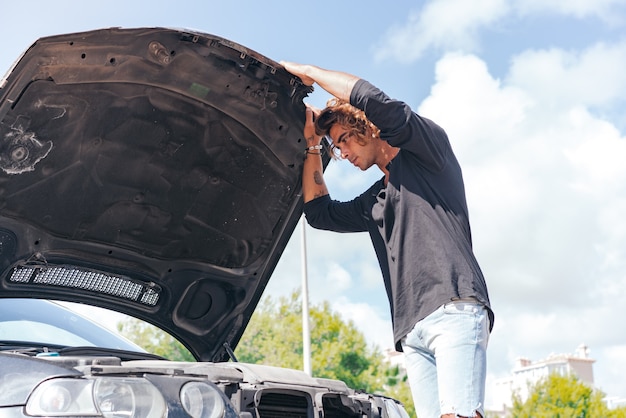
point(338, 349)
point(563, 397)
point(153, 340)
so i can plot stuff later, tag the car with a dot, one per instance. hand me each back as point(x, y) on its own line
point(156, 173)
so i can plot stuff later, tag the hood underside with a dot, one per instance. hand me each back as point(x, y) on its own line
point(154, 172)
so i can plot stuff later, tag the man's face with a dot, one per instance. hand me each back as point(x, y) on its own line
point(360, 154)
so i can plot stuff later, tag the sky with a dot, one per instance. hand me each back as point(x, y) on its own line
point(532, 95)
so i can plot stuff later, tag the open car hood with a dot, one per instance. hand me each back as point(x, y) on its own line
point(154, 172)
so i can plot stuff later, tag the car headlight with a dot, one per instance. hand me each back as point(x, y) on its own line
point(201, 400)
point(108, 397)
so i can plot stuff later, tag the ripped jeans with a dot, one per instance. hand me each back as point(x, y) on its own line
point(446, 363)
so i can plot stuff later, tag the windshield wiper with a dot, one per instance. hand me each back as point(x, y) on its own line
point(36, 348)
point(101, 351)
point(29, 347)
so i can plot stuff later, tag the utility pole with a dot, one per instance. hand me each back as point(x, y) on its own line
point(306, 332)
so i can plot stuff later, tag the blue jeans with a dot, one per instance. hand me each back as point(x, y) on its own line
point(446, 360)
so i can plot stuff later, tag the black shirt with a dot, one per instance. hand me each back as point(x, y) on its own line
point(418, 223)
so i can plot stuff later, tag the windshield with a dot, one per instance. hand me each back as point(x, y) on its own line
point(42, 322)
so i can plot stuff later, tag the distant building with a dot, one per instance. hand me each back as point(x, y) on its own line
point(615, 402)
point(527, 373)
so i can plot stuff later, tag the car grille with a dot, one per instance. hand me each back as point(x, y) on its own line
point(281, 405)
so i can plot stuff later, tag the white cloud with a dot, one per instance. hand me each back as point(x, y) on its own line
point(346, 181)
point(337, 278)
point(612, 368)
point(370, 321)
point(336, 263)
point(475, 108)
point(602, 9)
point(446, 24)
point(598, 156)
point(558, 78)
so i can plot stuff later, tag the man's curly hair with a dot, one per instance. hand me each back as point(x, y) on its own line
point(354, 120)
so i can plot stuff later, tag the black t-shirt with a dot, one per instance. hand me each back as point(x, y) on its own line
point(418, 223)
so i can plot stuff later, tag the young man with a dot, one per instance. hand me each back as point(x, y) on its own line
point(417, 218)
